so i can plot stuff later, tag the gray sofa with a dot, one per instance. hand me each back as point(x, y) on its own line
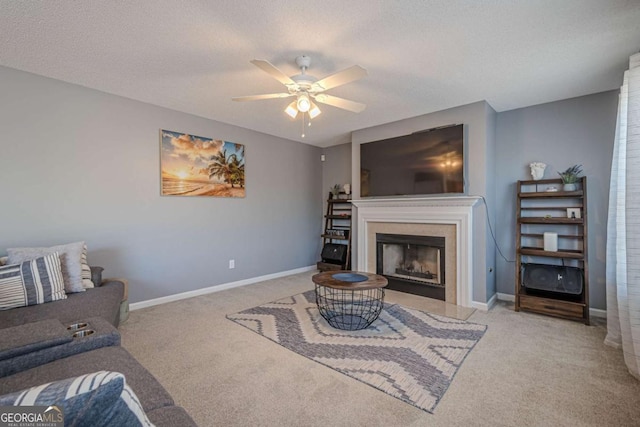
point(103, 301)
point(36, 348)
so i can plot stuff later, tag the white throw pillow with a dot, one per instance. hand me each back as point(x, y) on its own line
point(70, 259)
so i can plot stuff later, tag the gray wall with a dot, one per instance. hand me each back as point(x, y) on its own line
point(336, 169)
point(563, 133)
point(78, 164)
point(490, 197)
point(560, 134)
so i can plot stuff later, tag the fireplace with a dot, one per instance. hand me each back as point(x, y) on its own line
point(458, 219)
point(413, 264)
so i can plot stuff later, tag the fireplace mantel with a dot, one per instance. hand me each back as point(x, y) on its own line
point(468, 201)
point(453, 210)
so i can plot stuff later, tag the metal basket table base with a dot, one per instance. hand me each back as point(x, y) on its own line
point(349, 309)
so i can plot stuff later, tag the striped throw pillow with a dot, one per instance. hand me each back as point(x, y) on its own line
point(31, 282)
point(86, 270)
point(70, 259)
point(98, 399)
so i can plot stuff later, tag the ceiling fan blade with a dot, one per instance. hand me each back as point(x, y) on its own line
point(341, 77)
point(270, 69)
point(345, 104)
point(259, 97)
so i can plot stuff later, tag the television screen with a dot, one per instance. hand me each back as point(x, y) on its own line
point(426, 162)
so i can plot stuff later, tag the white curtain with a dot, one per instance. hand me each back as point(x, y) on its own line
point(623, 225)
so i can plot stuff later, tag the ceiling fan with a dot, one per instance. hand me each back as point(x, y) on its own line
point(307, 88)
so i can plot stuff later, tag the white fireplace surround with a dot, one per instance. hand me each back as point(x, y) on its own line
point(454, 210)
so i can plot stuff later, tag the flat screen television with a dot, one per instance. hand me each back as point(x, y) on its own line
point(422, 163)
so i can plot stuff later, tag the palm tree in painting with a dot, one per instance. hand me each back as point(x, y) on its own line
point(229, 169)
point(237, 165)
point(218, 166)
point(236, 169)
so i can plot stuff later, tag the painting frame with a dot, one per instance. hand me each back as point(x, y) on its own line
point(197, 166)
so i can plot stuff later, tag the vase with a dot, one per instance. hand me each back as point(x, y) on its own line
point(537, 170)
point(569, 187)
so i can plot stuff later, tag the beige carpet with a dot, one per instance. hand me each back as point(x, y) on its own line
point(527, 370)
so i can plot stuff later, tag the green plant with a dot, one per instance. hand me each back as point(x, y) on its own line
point(571, 175)
point(335, 190)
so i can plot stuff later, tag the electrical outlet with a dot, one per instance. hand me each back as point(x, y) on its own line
point(232, 263)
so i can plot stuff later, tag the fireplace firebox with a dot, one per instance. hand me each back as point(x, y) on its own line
point(412, 264)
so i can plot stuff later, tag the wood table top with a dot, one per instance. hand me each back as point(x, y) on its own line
point(373, 281)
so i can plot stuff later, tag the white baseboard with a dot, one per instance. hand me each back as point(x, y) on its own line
point(595, 312)
point(506, 297)
point(485, 306)
point(217, 288)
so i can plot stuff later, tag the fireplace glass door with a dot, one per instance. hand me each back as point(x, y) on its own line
point(413, 264)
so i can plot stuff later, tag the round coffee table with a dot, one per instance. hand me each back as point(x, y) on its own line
point(349, 300)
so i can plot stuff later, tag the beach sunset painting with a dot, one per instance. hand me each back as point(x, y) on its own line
point(197, 166)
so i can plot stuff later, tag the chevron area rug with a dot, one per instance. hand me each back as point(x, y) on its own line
point(409, 354)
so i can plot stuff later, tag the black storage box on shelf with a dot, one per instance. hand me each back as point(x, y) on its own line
point(553, 278)
point(334, 253)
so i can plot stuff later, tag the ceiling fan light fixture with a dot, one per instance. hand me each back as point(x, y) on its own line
point(306, 89)
point(292, 110)
point(303, 103)
point(314, 111)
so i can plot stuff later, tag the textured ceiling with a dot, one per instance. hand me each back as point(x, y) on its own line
point(421, 56)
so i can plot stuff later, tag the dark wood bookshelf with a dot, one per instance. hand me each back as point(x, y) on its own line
point(549, 208)
point(531, 197)
point(337, 216)
point(552, 220)
point(551, 194)
point(325, 266)
point(333, 237)
point(334, 219)
point(560, 236)
point(560, 253)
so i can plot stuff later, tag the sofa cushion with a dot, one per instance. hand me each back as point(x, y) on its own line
point(103, 301)
point(149, 391)
point(31, 282)
point(70, 259)
point(31, 337)
point(97, 399)
point(104, 335)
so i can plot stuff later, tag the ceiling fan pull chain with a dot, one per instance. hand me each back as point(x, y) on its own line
point(303, 115)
